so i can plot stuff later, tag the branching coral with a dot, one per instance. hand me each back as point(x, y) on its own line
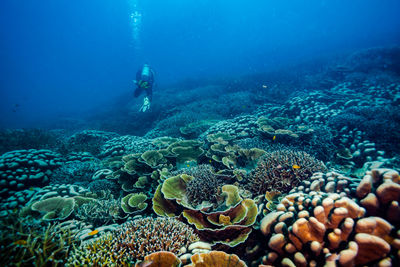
point(204, 187)
point(282, 170)
point(99, 212)
point(134, 240)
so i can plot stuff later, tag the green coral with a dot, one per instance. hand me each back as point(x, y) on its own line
point(55, 208)
point(134, 203)
point(226, 222)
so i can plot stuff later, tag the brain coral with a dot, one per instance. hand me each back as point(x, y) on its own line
point(134, 240)
point(21, 169)
point(282, 170)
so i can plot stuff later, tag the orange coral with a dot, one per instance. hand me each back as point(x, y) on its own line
point(216, 259)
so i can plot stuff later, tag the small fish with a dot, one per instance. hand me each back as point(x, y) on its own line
point(273, 138)
point(94, 232)
point(210, 160)
point(188, 165)
point(296, 166)
point(20, 242)
point(264, 86)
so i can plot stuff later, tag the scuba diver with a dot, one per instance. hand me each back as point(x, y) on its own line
point(144, 81)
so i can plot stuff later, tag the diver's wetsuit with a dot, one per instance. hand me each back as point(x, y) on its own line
point(145, 75)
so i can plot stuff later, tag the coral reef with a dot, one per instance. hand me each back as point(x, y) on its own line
point(232, 168)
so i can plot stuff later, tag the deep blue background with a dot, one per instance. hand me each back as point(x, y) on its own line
point(60, 58)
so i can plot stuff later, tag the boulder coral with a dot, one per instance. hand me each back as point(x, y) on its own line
point(320, 226)
point(22, 169)
point(379, 194)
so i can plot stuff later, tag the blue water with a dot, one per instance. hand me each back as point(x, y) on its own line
point(61, 59)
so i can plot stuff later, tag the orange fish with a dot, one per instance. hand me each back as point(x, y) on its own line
point(94, 232)
point(296, 166)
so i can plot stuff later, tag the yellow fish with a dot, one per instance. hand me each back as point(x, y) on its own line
point(296, 166)
point(20, 242)
point(273, 138)
point(94, 232)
